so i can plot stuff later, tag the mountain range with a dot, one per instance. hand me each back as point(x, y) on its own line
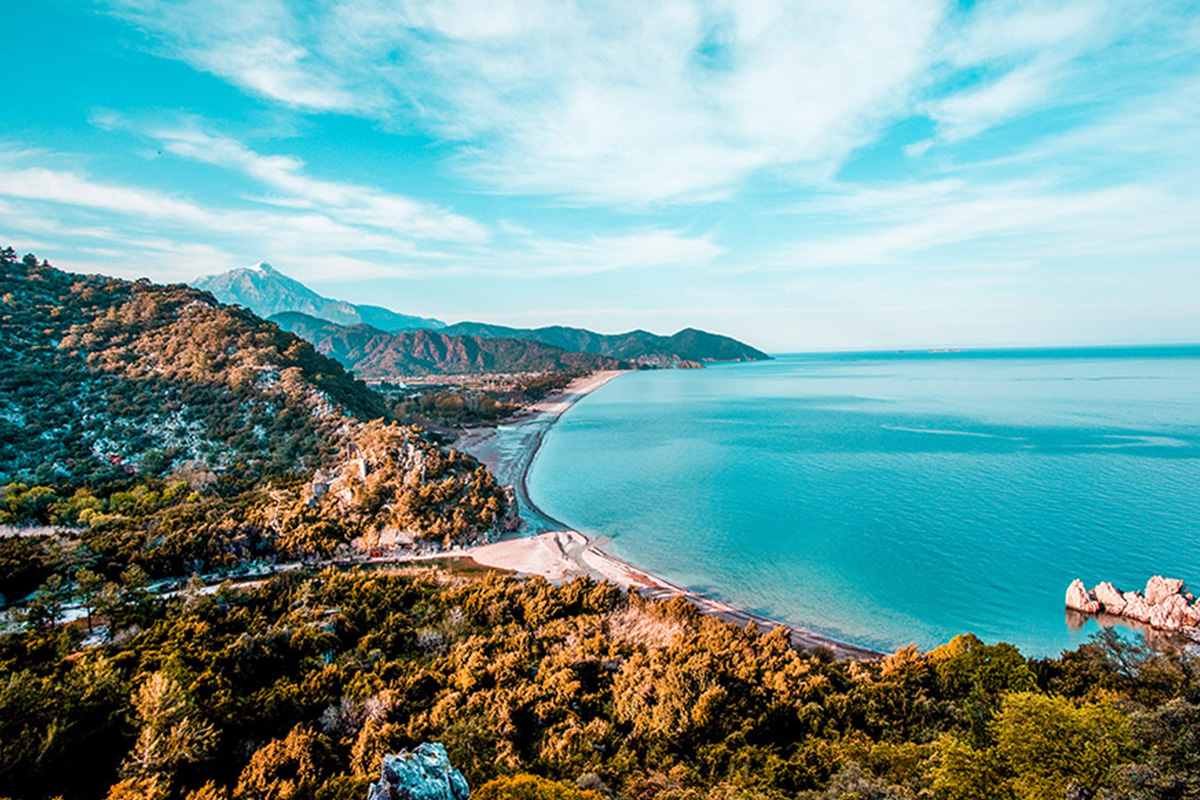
point(379, 343)
point(377, 355)
point(638, 346)
point(266, 291)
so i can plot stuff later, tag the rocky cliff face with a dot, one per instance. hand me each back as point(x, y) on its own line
point(423, 774)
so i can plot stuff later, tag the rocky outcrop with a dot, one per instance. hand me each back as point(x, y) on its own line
point(1080, 599)
point(1136, 607)
point(1165, 605)
point(1159, 588)
point(1113, 601)
point(423, 774)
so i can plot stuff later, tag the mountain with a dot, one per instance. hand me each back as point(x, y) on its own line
point(376, 355)
point(640, 347)
point(266, 291)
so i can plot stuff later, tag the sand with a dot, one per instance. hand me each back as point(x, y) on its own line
point(549, 548)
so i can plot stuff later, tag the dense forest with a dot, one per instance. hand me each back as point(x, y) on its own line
point(639, 347)
point(376, 355)
point(297, 687)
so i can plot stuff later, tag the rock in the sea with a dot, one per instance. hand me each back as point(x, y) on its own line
point(423, 774)
point(1112, 600)
point(1136, 607)
point(1191, 615)
point(1168, 613)
point(1159, 588)
point(1080, 599)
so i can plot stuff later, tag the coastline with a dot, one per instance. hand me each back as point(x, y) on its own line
point(548, 547)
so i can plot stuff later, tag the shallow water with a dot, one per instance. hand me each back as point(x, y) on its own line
point(888, 499)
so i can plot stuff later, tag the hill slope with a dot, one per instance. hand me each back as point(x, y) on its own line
point(125, 390)
point(638, 346)
point(266, 291)
point(376, 355)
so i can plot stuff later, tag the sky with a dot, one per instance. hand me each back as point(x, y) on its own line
point(804, 175)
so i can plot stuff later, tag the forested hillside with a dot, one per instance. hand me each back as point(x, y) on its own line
point(174, 434)
point(640, 347)
point(102, 376)
point(297, 688)
point(376, 355)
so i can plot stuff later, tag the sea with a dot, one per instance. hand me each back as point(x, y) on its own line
point(885, 499)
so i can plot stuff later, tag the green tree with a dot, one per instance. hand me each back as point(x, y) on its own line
point(530, 787)
point(171, 732)
point(46, 606)
point(1043, 745)
point(88, 584)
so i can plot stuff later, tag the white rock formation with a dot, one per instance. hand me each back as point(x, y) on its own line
point(1080, 599)
point(1136, 607)
point(1168, 613)
point(1112, 600)
point(1159, 588)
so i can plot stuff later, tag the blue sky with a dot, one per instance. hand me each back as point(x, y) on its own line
point(803, 175)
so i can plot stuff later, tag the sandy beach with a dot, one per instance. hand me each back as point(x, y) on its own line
point(548, 547)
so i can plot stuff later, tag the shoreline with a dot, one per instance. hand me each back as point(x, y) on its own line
point(552, 549)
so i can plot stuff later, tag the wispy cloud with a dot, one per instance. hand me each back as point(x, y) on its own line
point(354, 204)
point(317, 229)
point(611, 102)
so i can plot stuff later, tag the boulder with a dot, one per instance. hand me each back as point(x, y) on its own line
point(1080, 599)
point(1191, 615)
point(1108, 595)
point(1136, 607)
point(1168, 613)
point(423, 774)
point(1159, 588)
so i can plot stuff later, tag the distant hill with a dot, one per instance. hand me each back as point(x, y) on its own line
point(267, 291)
point(640, 347)
point(377, 355)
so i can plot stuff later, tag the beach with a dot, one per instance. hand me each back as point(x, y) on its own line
point(551, 549)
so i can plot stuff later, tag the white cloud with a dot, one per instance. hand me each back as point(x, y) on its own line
point(332, 231)
point(599, 102)
point(966, 227)
point(350, 203)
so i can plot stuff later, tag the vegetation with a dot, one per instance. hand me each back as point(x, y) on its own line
point(148, 433)
point(639, 347)
point(376, 355)
point(445, 406)
point(296, 689)
point(153, 427)
point(105, 378)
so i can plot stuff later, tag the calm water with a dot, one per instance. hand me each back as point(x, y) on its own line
point(895, 499)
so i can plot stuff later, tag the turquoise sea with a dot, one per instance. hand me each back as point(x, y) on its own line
point(893, 498)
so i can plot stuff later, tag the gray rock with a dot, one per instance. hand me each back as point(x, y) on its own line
point(423, 774)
